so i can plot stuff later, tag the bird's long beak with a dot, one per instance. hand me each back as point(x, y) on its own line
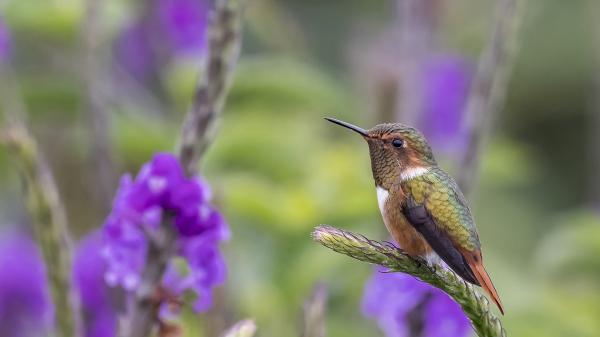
point(354, 128)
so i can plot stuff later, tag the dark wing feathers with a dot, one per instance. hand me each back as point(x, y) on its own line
point(424, 223)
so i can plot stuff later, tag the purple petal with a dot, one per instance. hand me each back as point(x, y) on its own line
point(391, 291)
point(88, 271)
point(133, 51)
point(445, 318)
point(25, 307)
point(390, 298)
point(89, 268)
point(184, 23)
point(167, 165)
point(185, 198)
point(204, 301)
point(162, 188)
point(447, 81)
point(104, 324)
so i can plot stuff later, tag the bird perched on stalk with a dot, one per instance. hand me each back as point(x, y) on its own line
point(421, 205)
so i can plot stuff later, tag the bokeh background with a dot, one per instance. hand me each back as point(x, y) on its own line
point(278, 169)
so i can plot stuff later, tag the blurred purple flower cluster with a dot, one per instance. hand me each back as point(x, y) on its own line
point(446, 85)
point(25, 307)
point(184, 23)
point(166, 29)
point(160, 192)
point(108, 262)
point(403, 306)
point(5, 41)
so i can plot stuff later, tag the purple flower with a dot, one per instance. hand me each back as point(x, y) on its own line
point(133, 51)
point(89, 267)
point(25, 307)
point(184, 23)
point(406, 307)
point(171, 28)
point(206, 269)
point(5, 43)
point(161, 188)
point(446, 85)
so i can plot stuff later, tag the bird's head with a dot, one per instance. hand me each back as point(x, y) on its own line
point(398, 152)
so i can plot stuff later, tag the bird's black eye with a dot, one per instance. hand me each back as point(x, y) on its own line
point(397, 142)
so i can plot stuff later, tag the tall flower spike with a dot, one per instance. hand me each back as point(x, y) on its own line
point(162, 192)
point(210, 93)
point(49, 222)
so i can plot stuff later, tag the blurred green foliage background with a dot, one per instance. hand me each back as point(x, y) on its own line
point(278, 169)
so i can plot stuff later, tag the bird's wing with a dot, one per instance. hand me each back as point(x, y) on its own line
point(418, 216)
point(436, 208)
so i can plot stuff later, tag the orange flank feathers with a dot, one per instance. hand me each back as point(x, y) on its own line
point(476, 263)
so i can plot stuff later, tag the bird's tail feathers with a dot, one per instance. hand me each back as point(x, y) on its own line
point(475, 262)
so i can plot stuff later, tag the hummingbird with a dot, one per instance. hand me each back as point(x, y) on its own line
point(421, 205)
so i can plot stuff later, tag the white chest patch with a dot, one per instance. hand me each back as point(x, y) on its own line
point(413, 172)
point(382, 196)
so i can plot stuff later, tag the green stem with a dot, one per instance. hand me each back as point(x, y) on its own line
point(489, 87)
point(224, 46)
point(475, 305)
point(49, 223)
point(315, 309)
point(100, 158)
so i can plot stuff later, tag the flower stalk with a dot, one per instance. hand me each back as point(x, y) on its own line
point(224, 45)
point(98, 115)
point(161, 246)
point(489, 87)
point(475, 305)
point(315, 309)
point(49, 223)
point(211, 90)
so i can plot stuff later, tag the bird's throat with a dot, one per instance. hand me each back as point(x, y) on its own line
point(382, 196)
point(412, 172)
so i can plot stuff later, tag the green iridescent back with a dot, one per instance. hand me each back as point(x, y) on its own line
point(446, 204)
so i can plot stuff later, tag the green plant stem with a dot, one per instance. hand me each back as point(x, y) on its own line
point(475, 305)
point(224, 45)
point(489, 87)
point(315, 308)
point(49, 223)
point(100, 155)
